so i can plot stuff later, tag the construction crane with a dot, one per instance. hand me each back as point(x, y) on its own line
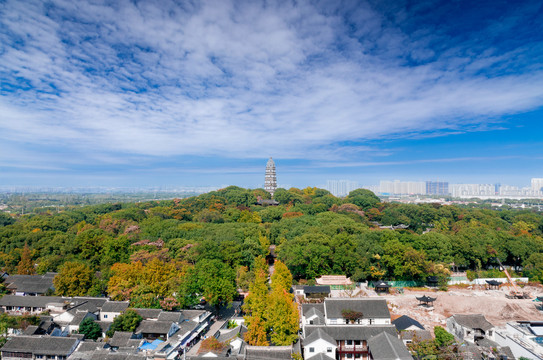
point(515, 293)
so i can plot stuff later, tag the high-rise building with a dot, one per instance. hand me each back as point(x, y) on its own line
point(398, 187)
point(537, 184)
point(341, 187)
point(459, 190)
point(437, 188)
point(270, 180)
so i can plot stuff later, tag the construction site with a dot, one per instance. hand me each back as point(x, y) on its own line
point(493, 304)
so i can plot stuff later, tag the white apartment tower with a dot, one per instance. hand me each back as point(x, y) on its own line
point(270, 181)
point(537, 185)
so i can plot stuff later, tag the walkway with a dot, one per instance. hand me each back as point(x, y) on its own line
point(212, 330)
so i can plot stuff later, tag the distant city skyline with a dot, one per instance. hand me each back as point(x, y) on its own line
point(150, 94)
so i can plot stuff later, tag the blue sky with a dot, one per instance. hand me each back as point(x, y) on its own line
point(200, 93)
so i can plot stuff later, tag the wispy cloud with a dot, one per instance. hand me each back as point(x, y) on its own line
point(246, 79)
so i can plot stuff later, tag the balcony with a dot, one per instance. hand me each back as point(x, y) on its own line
point(352, 349)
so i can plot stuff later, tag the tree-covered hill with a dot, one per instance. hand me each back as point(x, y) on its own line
point(170, 253)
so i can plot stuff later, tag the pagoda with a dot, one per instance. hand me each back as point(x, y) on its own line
point(270, 181)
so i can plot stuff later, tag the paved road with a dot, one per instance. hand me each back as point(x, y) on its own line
point(212, 330)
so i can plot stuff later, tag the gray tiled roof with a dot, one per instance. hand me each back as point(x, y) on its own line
point(268, 352)
point(30, 283)
point(319, 289)
point(404, 321)
point(79, 317)
point(370, 308)
point(104, 355)
point(351, 332)
point(173, 316)
point(85, 346)
point(307, 307)
point(320, 356)
point(473, 321)
point(227, 335)
point(104, 325)
point(90, 304)
point(115, 306)
point(154, 327)
point(319, 320)
point(148, 313)
point(385, 346)
point(420, 335)
point(319, 334)
point(46, 345)
point(31, 330)
point(120, 338)
point(31, 301)
point(191, 314)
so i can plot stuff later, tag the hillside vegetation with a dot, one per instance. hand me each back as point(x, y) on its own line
point(171, 253)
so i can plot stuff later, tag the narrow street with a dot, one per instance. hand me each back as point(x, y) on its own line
point(212, 330)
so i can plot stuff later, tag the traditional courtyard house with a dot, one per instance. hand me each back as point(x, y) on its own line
point(20, 305)
point(156, 329)
point(405, 322)
point(46, 327)
point(30, 285)
point(125, 339)
point(111, 309)
point(470, 328)
point(316, 292)
point(385, 346)
point(314, 316)
point(356, 311)
point(39, 347)
point(349, 342)
point(341, 328)
point(78, 310)
point(319, 342)
point(148, 313)
point(410, 330)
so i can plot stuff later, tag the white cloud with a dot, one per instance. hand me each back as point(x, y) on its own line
point(242, 80)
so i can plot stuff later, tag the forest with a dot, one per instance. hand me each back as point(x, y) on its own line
point(172, 253)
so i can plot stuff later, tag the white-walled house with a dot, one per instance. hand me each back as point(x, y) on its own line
point(328, 334)
point(111, 309)
point(319, 342)
point(470, 327)
point(373, 311)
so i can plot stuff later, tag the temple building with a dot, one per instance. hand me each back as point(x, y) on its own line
point(270, 181)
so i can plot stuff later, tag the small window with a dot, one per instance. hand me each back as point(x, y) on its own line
point(357, 342)
point(349, 356)
point(357, 356)
point(105, 316)
point(310, 322)
point(329, 349)
point(489, 332)
point(349, 342)
point(311, 349)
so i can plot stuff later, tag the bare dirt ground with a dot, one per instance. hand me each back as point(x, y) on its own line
point(493, 304)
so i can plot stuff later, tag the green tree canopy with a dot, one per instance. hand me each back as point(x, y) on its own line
point(127, 321)
point(90, 328)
